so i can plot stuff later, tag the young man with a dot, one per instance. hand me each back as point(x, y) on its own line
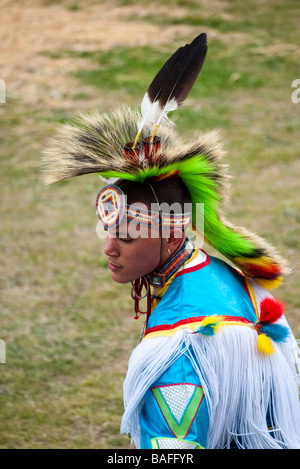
point(215, 367)
point(135, 250)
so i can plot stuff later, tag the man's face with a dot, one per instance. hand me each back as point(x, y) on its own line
point(131, 258)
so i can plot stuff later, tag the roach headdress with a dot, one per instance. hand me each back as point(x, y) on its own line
point(140, 145)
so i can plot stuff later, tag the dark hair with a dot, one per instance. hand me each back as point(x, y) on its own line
point(169, 190)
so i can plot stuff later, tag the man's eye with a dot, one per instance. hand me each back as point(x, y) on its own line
point(126, 240)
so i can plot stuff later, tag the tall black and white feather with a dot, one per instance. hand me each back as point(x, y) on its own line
point(172, 84)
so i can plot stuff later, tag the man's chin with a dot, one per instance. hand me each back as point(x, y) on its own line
point(119, 278)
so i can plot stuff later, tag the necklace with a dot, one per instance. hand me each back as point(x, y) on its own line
point(159, 278)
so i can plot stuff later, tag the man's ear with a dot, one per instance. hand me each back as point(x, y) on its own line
point(170, 244)
point(174, 240)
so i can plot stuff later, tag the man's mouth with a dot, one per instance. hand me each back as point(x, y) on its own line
point(113, 267)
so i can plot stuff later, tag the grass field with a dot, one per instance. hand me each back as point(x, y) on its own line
point(68, 329)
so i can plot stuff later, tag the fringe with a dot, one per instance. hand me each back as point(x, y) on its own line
point(239, 384)
point(289, 348)
point(149, 360)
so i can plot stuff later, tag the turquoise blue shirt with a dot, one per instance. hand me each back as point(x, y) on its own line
point(175, 412)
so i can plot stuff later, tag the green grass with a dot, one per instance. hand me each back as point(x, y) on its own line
point(68, 328)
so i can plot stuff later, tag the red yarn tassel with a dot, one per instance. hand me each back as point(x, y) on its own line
point(270, 310)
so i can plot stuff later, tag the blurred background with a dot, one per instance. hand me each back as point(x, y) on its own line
point(68, 329)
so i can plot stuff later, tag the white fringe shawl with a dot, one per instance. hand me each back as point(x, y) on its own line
point(237, 380)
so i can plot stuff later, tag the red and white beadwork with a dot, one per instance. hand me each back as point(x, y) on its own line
point(110, 205)
point(112, 208)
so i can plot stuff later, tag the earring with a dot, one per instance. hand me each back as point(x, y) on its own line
point(169, 252)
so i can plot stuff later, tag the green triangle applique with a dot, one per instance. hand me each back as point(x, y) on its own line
point(173, 443)
point(179, 404)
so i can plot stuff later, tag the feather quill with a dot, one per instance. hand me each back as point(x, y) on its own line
point(173, 83)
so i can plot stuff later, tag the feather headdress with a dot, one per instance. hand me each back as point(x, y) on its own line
point(173, 83)
point(95, 144)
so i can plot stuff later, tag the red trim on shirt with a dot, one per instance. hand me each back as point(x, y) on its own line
point(169, 327)
point(187, 269)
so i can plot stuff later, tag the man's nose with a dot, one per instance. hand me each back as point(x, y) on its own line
point(111, 247)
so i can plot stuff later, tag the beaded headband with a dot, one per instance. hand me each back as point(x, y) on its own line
point(111, 209)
